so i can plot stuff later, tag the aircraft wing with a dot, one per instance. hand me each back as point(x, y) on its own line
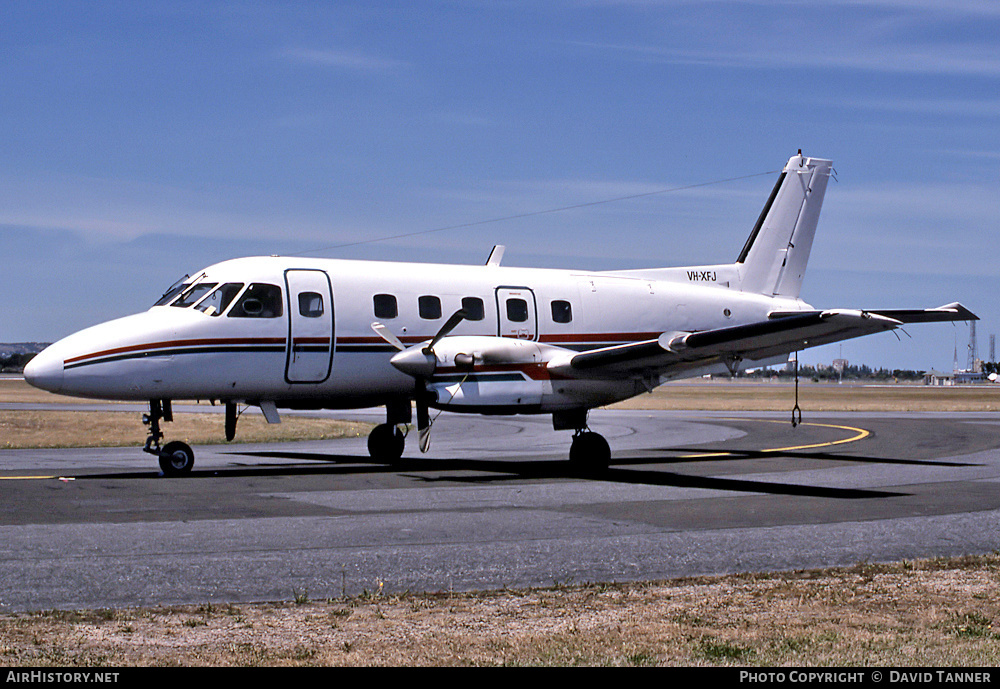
point(782, 333)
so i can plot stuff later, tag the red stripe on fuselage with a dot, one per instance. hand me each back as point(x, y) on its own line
point(149, 346)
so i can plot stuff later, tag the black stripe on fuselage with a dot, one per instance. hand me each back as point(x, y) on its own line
point(157, 353)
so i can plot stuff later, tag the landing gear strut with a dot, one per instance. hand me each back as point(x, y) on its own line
point(176, 458)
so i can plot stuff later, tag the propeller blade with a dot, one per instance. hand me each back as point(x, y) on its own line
point(450, 325)
point(388, 336)
point(423, 417)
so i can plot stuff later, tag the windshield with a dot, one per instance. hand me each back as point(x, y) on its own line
point(193, 294)
point(216, 302)
point(173, 291)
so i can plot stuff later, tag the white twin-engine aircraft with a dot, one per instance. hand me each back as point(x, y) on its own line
point(293, 333)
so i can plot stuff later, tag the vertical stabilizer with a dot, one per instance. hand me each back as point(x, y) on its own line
point(774, 259)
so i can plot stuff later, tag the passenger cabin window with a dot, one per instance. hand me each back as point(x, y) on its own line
point(193, 294)
point(517, 310)
point(259, 301)
point(385, 306)
point(219, 300)
point(430, 307)
point(311, 304)
point(474, 309)
point(562, 311)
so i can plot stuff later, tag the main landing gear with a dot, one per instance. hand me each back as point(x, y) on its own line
point(387, 441)
point(176, 458)
point(589, 454)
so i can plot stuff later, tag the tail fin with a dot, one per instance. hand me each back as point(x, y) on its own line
point(773, 261)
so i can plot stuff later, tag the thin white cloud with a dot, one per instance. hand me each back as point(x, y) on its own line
point(343, 59)
point(962, 107)
point(944, 59)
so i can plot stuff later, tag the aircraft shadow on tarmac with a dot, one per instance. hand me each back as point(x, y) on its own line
point(549, 469)
point(702, 455)
point(508, 470)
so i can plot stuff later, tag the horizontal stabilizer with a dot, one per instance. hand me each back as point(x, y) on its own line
point(783, 333)
point(942, 314)
point(948, 312)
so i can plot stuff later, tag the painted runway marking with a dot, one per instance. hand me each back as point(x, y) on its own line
point(24, 478)
point(859, 434)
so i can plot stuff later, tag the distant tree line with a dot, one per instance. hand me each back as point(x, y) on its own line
point(14, 362)
point(849, 372)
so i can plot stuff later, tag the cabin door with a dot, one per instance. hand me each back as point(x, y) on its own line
point(516, 313)
point(309, 352)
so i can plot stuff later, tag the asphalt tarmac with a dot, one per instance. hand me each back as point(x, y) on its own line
point(495, 504)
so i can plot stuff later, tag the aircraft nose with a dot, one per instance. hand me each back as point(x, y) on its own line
point(45, 371)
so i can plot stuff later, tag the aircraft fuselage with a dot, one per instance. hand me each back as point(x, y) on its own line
point(324, 353)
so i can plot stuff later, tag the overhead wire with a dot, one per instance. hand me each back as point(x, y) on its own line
point(532, 214)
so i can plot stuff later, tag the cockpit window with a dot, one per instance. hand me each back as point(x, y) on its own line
point(172, 292)
point(217, 302)
point(194, 293)
point(259, 301)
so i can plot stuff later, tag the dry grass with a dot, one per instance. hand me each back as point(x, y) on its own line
point(16, 391)
point(930, 613)
point(34, 429)
point(25, 428)
point(724, 395)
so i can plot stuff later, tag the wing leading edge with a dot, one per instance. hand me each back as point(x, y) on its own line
point(673, 353)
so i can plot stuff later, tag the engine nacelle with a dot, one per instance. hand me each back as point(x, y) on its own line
point(480, 372)
point(467, 352)
point(485, 374)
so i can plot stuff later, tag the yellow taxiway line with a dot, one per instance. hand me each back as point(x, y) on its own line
point(859, 434)
point(34, 478)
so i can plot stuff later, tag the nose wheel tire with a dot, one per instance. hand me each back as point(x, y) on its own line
point(176, 459)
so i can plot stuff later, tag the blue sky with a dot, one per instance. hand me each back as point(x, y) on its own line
point(143, 141)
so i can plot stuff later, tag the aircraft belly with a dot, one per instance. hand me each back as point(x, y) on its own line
point(513, 392)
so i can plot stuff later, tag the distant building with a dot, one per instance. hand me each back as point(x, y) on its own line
point(939, 378)
point(953, 377)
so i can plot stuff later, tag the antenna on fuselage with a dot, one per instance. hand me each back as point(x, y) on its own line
point(496, 255)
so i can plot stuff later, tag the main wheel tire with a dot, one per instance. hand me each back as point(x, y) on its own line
point(386, 443)
point(590, 453)
point(176, 459)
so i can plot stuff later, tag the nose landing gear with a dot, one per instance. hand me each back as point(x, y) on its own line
point(176, 458)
